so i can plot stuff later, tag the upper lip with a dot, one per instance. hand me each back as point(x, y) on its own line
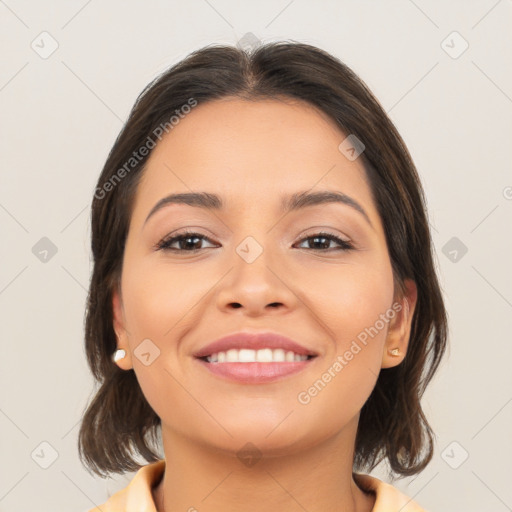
point(254, 341)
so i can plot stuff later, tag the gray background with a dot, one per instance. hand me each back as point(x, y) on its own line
point(60, 114)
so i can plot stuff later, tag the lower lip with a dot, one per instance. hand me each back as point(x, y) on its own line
point(256, 373)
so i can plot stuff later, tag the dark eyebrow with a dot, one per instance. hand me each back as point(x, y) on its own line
point(305, 199)
point(197, 199)
point(288, 203)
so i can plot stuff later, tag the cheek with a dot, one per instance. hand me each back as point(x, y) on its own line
point(352, 308)
point(158, 305)
point(156, 298)
point(351, 299)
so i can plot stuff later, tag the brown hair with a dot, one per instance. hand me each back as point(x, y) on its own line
point(119, 423)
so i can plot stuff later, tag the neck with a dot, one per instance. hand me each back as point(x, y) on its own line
point(315, 479)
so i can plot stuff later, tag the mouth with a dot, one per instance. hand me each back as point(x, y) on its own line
point(252, 357)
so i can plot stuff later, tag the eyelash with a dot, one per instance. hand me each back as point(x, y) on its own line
point(166, 242)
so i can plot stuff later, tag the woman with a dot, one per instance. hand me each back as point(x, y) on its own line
point(264, 303)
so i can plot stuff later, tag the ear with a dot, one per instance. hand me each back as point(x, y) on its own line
point(119, 324)
point(399, 330)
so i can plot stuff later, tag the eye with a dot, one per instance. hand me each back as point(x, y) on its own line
point(324, 238)
point(188, 241)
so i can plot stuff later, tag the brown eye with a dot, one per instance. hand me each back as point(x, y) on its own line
point(324, 239)
point(187, 242)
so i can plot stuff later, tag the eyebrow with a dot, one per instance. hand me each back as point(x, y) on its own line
point(289, 203)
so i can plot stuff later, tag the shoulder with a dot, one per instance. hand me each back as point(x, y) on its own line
point(137, 495)
point(387, 497)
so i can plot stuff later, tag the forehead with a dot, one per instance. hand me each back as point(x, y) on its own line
point(251, 153)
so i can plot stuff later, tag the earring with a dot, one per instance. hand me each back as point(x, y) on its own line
point(394, 351)
point(118, 354)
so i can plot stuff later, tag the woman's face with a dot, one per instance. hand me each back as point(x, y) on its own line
point(259, 268)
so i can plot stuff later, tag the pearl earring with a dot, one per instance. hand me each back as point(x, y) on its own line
point(394, 351)
point(118, 354)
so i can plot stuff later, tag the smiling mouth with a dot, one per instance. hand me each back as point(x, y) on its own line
point(263, 355)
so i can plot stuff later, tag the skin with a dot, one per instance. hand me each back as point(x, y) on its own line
point(250, 153)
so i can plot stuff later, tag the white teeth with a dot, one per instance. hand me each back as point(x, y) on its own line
point(246, 356)
point(278, 355)
point(231, 355)
point(263, 355)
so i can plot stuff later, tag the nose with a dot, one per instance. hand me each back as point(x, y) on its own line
point(256, 287)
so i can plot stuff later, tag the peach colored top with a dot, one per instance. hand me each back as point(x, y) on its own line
point(137, 495)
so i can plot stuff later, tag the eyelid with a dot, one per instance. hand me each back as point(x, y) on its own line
point(315, 230)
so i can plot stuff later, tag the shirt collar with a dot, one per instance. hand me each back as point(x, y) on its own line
point(138, 495)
